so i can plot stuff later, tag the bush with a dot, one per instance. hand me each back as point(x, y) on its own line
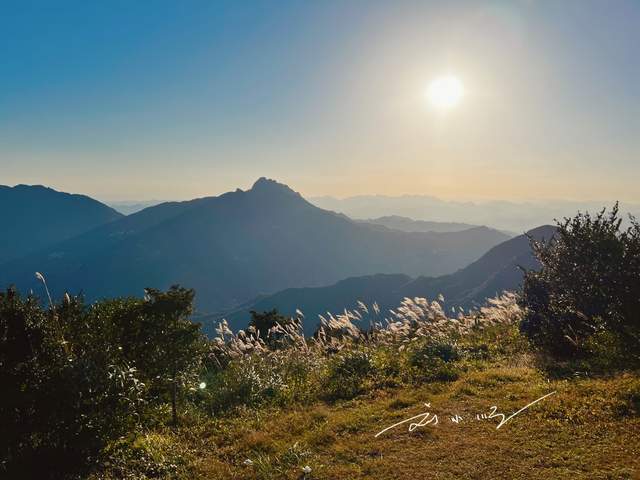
point(62, 399)
point(389, 366)
point(427, 352)
point(75, 377)
point(145, 456)
point(589, 282)
point(248, 381)
point(281, 378)
point(347, 374)
point(433, 361)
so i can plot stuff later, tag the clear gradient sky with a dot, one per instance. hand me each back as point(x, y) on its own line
point(179, 99)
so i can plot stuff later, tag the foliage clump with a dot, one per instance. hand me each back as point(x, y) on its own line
point(585, 299)
point(347, 375)
point(76, 377)
point(432, 360)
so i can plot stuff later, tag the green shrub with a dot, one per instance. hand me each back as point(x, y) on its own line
point(423, 355)
point(347, 375)
point(388, 365)
point(301, 374)
point(589, 283)
point(248, 381)
point(62, 399)
point(75, 377)
point(145, 456)
point(433, 361)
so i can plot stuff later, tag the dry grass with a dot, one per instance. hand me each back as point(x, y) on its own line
point(414, 319)
point(590, 429)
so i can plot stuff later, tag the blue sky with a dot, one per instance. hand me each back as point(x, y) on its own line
point(142, 100)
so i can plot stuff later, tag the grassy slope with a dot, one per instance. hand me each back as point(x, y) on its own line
point(590, 429)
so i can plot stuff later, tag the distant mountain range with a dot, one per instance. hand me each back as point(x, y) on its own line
point(503, 215)
point(497, 270)
point(236, 246)
point(34, 217)
point(410, 225)
point(127, 207)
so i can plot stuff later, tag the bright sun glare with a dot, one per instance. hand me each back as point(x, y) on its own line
point(445, 92)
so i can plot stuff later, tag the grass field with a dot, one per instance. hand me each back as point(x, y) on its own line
point(589, 429)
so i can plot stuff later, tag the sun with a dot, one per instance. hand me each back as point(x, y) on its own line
point(445, 92)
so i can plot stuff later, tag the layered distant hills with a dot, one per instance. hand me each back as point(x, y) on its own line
point(34, 217)
point(505, 215)
point(498, 270)
point(410, 225)
point(128, 207)
point(235, 247)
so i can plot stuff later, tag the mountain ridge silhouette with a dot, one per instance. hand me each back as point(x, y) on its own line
point(236, 246)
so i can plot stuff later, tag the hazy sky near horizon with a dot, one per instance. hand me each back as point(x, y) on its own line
point(175, 100)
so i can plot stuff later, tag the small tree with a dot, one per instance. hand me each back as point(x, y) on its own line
point(589, 284)
point(175, 346)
